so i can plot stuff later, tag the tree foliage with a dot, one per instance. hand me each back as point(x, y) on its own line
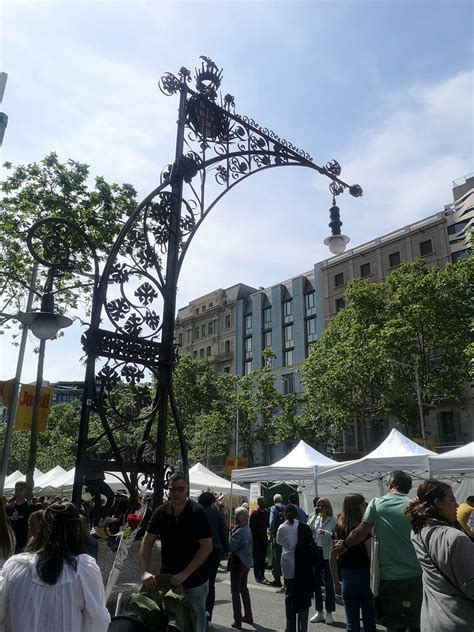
point(419, 316)
point(50, 188)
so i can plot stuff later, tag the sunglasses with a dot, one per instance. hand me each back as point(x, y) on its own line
point(179, 489)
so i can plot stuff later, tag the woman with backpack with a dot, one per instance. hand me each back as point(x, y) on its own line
point(297, 556)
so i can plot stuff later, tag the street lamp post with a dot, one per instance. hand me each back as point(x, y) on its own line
point(130, 340)
point(44, 325)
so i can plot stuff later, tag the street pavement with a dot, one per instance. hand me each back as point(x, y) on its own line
point(268, 608)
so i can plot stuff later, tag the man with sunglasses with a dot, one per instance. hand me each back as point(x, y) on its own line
point(186, 542)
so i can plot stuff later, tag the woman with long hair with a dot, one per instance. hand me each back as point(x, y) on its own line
point(353, 568)
point(55, 585)
point(323, 530)
point(7, 537)
point(296, 540)
point(446, 556)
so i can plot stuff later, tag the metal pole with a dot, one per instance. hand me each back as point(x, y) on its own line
point(16, 386)
point(169, 308)
point(30, 470)
point(420, 405)
point(237, 439)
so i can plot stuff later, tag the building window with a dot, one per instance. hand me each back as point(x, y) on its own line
point(180, 338)
point(196, 311)
point(267, 318)
point(211, 304)
point(248, 367)
point(188, 336)
point(456, 228)
point(203, 308)
point(203, 330)
point(339, 279)
point(288, 336)
point(340, 304)
point(460, 254)
point(248, 324)
point(288, 383)
point(227, 369)
point(426, 248)
point(227, 346)
point(365, 270)
point(210, 328)
point(248, 348)
point(310, 304)
point(227, 322)
point(196, 333)
point(350, 436)
point(311, 329)
point(449, 430)
point(201, 353)
point(288, 357)
point(394, 259)
point(195, 354)
point(267, 340)
point(208, 351)
point(288, 311)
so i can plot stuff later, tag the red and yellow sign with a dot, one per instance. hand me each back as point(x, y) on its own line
point(24, 410)
point(232, 464)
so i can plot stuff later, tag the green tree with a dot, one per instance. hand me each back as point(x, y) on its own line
point(50, 188)
point(263, 410)
point(419, 316)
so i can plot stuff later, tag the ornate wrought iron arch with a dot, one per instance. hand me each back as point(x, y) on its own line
point(130, 341)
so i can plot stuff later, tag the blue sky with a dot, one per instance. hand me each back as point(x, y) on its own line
point(383, 87)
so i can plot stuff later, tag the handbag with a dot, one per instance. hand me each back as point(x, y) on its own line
point(374, 567)
point(374, 563)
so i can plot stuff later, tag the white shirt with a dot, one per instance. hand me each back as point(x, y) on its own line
point(287, 536)
point(75, 603)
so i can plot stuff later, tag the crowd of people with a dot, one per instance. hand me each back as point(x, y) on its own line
point(407, 564)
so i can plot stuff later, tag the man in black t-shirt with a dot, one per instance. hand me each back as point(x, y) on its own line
point(186, 542)
point(18, 513)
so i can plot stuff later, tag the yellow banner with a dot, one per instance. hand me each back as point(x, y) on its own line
point(6, 389)
point(24, 411)
point(430, 443)
point(232, 464)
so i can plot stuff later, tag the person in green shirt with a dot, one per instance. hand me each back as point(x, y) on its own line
point(398, 603)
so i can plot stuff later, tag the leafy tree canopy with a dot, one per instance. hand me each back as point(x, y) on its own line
point(50, 188)
point(420, 317)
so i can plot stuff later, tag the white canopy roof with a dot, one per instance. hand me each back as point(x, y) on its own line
point(16, 476)
point(456, 462)
point(396, 452)
point(44, 481)
point(202, 478)
point(60, 481)
point(298, 465)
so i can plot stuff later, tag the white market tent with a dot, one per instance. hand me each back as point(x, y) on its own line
point(43, 483)
point(396, 452)
point(457, 462)
point(298, 465)
point(59, 481)
point(9, 486)
point(202, 479)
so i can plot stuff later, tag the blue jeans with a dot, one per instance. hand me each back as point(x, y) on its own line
point(329, 585)
point(291, 614)
point(197, 596)
point(357, 595)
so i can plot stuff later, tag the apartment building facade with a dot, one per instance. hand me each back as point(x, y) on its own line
point(290, 317)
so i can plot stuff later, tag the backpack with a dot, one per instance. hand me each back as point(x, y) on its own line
point(280, 519)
